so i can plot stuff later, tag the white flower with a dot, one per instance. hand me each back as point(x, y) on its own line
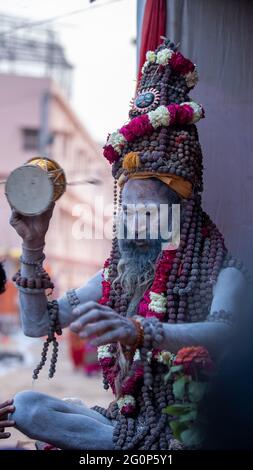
point(159, 117)
point(165, 357)
point(106, 274)
point(126, 400)
point(158, 302)
point(191, 78)
point(103, 351)
point(151, 56)
point(144, 66)
point(117, 140)
point(137, 355)
point(197, 111)
point(164, 56)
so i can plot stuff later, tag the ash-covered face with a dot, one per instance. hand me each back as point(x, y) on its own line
point(140, 222)
point(146, 214)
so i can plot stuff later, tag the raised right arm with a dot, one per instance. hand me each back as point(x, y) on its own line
point(33, 305)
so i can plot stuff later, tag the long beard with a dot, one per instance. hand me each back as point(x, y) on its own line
point(135, 273)
point(136, 270)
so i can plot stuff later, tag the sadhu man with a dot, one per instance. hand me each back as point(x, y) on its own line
point(150, 299)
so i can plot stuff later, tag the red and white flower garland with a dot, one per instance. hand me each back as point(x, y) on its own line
point(153, 304)
point(177, 62)
point(184, 113)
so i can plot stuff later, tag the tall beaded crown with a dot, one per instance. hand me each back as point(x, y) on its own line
point(161, 136)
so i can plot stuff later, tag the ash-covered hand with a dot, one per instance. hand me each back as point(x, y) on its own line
point(32, 229)
point(103, 325)
point(6, 408)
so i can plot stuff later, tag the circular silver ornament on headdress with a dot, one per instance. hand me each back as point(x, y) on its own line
point(146, 100)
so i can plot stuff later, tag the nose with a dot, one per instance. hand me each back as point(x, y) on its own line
point(135, 226)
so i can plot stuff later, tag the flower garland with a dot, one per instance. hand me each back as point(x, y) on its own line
point(178, 63)
point(153, 304)
point(184, 113)
point(105, 283)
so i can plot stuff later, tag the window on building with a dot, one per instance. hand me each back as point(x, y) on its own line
point(30, 139)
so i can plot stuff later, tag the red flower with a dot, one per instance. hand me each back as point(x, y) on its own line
point(143, 305)
point(184, 114)
point(172, 108)
point(111, 154)
point(131, 384)
point(194, 359)
point(106, 362)
point(127, 133)
point(162, 271)
point(180, 64)
point(139, 126)
point(106, 286)
point(128, 410)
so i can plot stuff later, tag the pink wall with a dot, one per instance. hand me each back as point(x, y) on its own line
point(20, 108)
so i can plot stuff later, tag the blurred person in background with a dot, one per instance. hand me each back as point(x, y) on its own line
point(6, 407)
point(3, 279)
point(83, 354)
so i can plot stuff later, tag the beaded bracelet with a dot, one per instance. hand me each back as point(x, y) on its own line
point(221, 316)
point(72, 297)
point(33, 291)
point(40, 281)
point(153, 337)
point(33, 263)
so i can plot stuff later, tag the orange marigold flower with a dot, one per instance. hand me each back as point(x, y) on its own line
point(194, 359)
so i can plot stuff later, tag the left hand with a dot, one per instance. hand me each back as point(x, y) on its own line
point(104, 323)
point(6, 408)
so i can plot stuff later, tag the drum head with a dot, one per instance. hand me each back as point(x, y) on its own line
point(29, 190)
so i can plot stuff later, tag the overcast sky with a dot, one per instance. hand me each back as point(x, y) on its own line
point(98, 44)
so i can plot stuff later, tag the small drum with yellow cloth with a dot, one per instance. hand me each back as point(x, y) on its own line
point(31, 188)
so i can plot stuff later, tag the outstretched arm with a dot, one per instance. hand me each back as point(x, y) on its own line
point(228, 301)
point(108, 326)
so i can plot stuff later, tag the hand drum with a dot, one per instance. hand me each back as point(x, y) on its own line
point(31, 188)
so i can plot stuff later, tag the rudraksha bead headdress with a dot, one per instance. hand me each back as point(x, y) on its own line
point(161, 140)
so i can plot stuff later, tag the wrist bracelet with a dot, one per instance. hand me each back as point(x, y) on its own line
point(27, 290)
point(221, 316)
point(32, 263)
point(33, 249)
point(72, 297)
point(140, 334)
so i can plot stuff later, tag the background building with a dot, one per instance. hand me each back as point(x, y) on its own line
point(37, 118)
